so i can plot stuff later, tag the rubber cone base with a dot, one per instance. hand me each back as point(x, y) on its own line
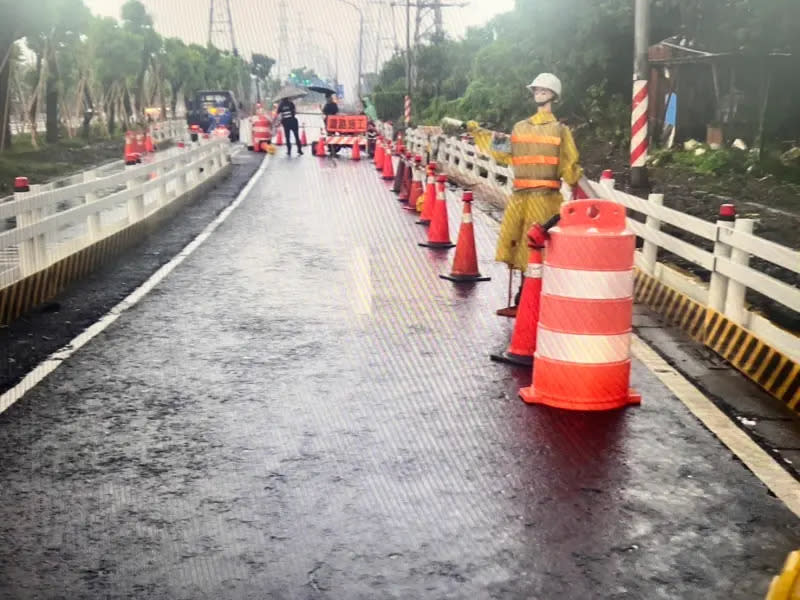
point(508, 311)
point(529, 396)
point(437, 245)
point(512, 359)
point(465, 278)
point(423, 222)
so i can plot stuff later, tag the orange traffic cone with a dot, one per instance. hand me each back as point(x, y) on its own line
point(356, 150)
point(388, 166)
point(583, 341)
point(429, 199)
point(321, 146)
point(303, 138)
point(523, 339)
point(465, 262)
point(415, 191)
point(401, 171)
point(438, 232)
point(380, 152)
point(279, 139)
point(140, 149)
point(405, 189)
point(130, 146)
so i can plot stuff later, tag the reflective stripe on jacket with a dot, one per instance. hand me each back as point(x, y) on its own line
point(535, 150)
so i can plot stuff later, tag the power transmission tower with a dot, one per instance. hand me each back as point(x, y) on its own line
point(220, 25)
point(283, 41)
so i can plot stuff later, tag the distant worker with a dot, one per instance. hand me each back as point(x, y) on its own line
point(330, 109)
point(542, 152)
point(288, 116)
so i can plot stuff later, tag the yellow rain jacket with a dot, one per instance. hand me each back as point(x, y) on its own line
point(542, 154)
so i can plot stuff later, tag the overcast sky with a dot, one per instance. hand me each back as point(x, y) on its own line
point(313, 25)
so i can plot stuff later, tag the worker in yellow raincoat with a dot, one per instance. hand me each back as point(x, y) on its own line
point(541, 153)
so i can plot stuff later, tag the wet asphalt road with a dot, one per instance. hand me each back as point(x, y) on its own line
point(303, 409)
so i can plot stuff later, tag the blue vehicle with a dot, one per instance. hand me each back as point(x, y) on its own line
point(212, 108)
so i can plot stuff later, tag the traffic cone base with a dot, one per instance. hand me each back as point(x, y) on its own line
point(591, 387)
point(508, 311)
point(465, 278)
point(512, 359)
point(423, 222)
point(437, 245)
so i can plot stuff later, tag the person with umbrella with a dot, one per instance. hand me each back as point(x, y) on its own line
point(287, 112)
point(330, 109)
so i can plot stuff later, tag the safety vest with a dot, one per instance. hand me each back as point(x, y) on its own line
point(535, 151)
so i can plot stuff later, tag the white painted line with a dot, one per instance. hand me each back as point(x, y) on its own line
point(763, 466)
point(52, 362)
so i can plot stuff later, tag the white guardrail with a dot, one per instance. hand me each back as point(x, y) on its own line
point(728, 263)
point(160, 131)
point(46, 225)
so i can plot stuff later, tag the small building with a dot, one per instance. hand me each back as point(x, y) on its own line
point(709, 96)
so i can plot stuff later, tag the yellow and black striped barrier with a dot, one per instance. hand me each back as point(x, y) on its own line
point(775, 372)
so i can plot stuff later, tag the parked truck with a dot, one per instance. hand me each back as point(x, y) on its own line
point(210, 109)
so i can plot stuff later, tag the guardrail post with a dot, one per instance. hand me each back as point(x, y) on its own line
point(39, 241)
point(734, 299)
point(162, 198)
point(718, 286)
point(136, 203)
point(27, 248)
point(650, 249)
point(93, 220)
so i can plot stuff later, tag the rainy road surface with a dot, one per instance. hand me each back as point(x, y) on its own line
point(304, 409)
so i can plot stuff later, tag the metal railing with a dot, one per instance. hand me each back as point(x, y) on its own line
point(50, 224)
point(161, 131)
point(729, 245)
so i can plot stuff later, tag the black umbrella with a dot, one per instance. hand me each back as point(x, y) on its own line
point(322, 89)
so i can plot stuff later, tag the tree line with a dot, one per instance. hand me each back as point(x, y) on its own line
point(59, 60)
point(589, 45)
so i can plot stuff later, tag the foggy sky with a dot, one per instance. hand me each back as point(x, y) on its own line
point(256, 28)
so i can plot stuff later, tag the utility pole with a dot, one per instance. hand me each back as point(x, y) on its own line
point(220, 22)
point(283, 41)
point(408, 48)
point(639, 105)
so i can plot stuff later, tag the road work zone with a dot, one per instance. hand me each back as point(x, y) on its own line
point(303, 408)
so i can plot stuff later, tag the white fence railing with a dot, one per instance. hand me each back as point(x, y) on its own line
point(733, 243)
point(50, 224)
point(161, 131)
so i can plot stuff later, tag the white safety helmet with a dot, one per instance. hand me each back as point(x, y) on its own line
point(547, 81)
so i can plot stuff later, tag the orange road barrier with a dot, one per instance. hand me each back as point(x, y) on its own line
point(130, 147)
point(438, 232)
point(356, 154)
point(401, 170)
point(428, 201)
point(465, 262)
point(388, 167)
point(523, 338)
point(140, 150)
point(582, 359)
point(415, 191)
